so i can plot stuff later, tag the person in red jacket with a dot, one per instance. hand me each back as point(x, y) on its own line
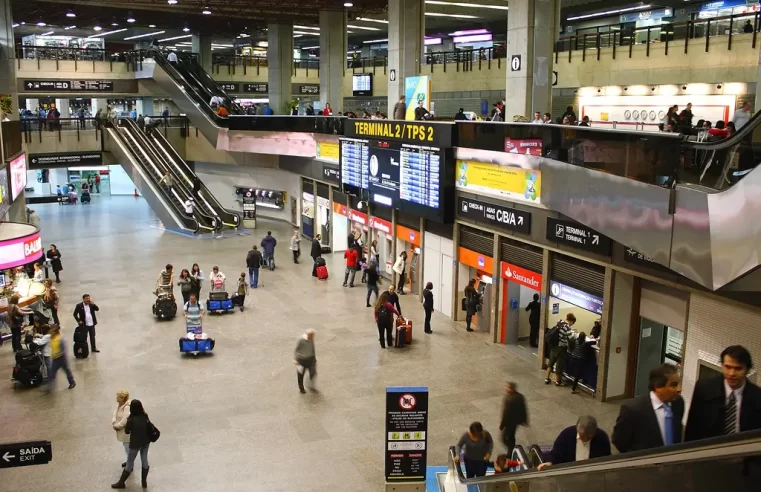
point(352, 262)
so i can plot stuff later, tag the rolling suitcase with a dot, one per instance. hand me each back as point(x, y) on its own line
point(81, 350)
point(400, 336)
point(407, 324)
point(322, 272)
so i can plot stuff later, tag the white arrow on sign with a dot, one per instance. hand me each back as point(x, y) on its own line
point(30, 85)
point(595, 239)
point(7, 457)
point(520, 220)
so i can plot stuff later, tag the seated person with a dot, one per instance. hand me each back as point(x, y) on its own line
point(583, 441)
point(503, 465)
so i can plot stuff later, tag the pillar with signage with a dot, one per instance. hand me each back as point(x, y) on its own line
point(340, 230)
point(518, 290)
point(279, 65)
point(409, 240)
point(406, 436)
point(249, 209)
point(406, 26)
point(531, 33)
point(332, 58)
point(307, 214)
point(474, 265)
point(383, 233)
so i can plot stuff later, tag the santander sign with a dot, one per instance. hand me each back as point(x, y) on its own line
point(522, 276)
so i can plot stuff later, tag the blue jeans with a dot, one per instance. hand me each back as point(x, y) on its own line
point(253, 277)
point(132, 454)
point(59, 363)
point(270, 261)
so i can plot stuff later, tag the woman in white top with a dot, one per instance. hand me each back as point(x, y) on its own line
point(119, 420)
point(374, 252)
point(39, 273)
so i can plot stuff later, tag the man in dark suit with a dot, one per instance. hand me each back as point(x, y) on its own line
point(583, 441)
point(655, 419)
point(84, 313)
point(514, 413)
point(725, 404)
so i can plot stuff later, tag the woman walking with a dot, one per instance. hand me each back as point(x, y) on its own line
point(140, 429)
point(186, 284)
point(373, 279)
point(384, 318)
point(428, 306)
point(197, 275)
point(296, 246)
point(55, 261)
point(119, 421)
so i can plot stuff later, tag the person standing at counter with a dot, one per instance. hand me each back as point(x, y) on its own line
point(55, 261)
point(580, 352)
point(51, 299)
point(39, 273)
point(534, 307)
point(400, 268)
point(16, 315)
point(84, 313)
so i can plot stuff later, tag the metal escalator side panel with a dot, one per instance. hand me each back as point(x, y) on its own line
point(146, 185)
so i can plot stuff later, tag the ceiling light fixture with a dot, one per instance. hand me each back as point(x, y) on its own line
point(477, 38)
point(364, 28)
point(469, 32)
point(297, 35)
point(151, 25)
point(130, 19)
point(100, 35)
point(310, 47)
point(144, 35)
point(15, 24)
point(348, 4)
point(307, 33)
point(171, 2)
point(70, 27)
point(97, 28)
point(609, 12)
point(374, 41)
point(176, 37)
point(206, 11)
point(47, 33)
point(70, 14)
point(185, 29)
point(467, 5)
point(41, 24)
point(379, 21)
point(306, 27)
point(454, 16)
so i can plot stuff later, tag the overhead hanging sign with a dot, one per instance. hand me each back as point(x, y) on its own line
point(69, 85)
point(497, 215)
point(578, 236)
point(25, 454)
point(406, 433)
point(260, 88)
point(634, 256)
point(69, 159)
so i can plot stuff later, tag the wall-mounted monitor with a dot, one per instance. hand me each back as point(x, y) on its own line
point(362, 84)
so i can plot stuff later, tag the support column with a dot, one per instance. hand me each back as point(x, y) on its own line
point(62, 105)
point(332, 59)
point(101, 104)
point(406, 27)
point(202, 46)
point(279, 66)
point(144, 106)
point(531, 34)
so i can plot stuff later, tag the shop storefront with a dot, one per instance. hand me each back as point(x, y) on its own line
point(382, 233)
point(478, 266)
point(358, 225)
point(408, 239)
point(340, 217)
point(323, 213)
point(519, 286)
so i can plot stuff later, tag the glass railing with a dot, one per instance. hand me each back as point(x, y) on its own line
point(37, 128)
point(728, 463)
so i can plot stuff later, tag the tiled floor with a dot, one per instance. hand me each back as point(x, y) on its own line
point(235, 421)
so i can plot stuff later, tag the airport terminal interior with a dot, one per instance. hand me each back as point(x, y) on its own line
point(558, 192)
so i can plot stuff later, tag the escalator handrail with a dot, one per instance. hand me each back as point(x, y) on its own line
point(190, 223)
point(725, 143)
point(743, 444)
point(163, 166)
point(226, 217)
point(519, 454)
point(535, 450)
point(191, 63)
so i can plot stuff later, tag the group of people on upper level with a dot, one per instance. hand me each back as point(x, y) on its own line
point(681, 122)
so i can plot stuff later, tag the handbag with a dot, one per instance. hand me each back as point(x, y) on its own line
point(153, 432)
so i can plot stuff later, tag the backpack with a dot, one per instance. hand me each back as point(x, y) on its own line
point(552, 337)
point(383, 313)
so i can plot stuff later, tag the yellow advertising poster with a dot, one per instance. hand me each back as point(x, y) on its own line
point(511, 183)
point(327, 152)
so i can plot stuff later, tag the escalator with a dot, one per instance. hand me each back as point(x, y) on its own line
point(203, 198)
point(203, 83)
point(138, 156)
point(727, 463)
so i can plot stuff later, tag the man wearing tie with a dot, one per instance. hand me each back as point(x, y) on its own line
point(655, 419)
point(727, 404)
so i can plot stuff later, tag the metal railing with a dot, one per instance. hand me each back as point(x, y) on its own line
point(246, 63)
point(676, 35)
point(43, 126)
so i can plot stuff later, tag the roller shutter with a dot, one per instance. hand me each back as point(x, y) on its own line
point(522, 255)
point(584, 276)
point(476, 240)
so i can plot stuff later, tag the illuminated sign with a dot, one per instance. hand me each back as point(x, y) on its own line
point(20, 251)
point(436, 134)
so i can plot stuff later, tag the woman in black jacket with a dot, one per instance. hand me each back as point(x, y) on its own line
point(55, 261)
point(140, 429)
point(428, 306)
point(472, 300)
point(316, 252)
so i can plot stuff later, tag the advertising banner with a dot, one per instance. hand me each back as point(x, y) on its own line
point(249, 209)
point(406, 433)
point(381, 225)
point(509, 183)
point(327, 152)
point(417, 89)
point(576, 297)
point(20, 251)
point(475, 260)
point(513, 273)
point(528, 146)
point(5, 193)
point(17, 174)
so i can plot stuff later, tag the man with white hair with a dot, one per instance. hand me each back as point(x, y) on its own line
point(305, 359)
point(583, 441)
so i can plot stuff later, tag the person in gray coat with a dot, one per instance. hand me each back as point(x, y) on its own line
point(305, 359)
point(400, 109)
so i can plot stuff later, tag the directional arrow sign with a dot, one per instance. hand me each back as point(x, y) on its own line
point(25, 454)
point(498, 216)
point(595, 239)
point(577, 235)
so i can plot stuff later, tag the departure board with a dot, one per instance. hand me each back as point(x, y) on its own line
point(355, 159)
point(420, 175)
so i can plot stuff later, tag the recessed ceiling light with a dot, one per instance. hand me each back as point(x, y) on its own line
point(130, 19)
point(69, 27)
point(151, 25)
point(114, 23)
point(364, 28)
point(379, 21)
point(51, 32)
point(306, 27)
point(70, 14)
point(348, 4)
point(15, 24)
point(171, 2)
point(41, 24)
point(97, 28)
point(186, 29)
point(206, 11)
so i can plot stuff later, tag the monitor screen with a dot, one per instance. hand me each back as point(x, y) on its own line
point(17, 174)
point(362, 84)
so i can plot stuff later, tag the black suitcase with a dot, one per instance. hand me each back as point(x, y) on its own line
point(218, 296)
point(81, 350)
point(26, 357)
point(27, 377)
point(80, 334)
point(400, 336)
point(165, 308)
point(320, 261)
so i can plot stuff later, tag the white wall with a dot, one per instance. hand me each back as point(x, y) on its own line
point(620, 325)
point(663, 308)
point(221, 179)
point(437, 269)
point(121, 183)
point(58, 177)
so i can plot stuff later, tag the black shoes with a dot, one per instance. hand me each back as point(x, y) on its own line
point(469, 329)
point(71, 386)
point(122, 479)
point(145, 477)
point(303, 391)
point(428, 331)
point(95, 350)
point(547, 381)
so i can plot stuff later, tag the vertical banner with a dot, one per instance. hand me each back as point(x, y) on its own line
point(417, 89)
point(249, 209)
point(406, 433)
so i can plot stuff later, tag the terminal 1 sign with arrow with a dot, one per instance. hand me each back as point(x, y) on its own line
point(25, 454)
point(578, 236)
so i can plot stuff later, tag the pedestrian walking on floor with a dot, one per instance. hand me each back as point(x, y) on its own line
point(84, 314)
point(239, 297)
point(51, 299)
point(254, 262)
point(296, 246)
point(316, 253)
point(373, 279)
point(352, 262)
point(475, 446)
point(58, 359)
point(306, 360)
point(400, 268)
point(384, 318)
point(428, 306)
point(557, 340)
point(186, 285)
point(141, 433)
point(55, 261)
point(268, 246)
point(197, 275)
point(534, 307)
point(119, 421)
point(514, 413)
point(472, 301)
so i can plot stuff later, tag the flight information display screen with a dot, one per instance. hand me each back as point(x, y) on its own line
point(355, 159)
point(420, 175)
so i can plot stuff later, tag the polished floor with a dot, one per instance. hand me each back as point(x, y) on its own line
point(235, 421)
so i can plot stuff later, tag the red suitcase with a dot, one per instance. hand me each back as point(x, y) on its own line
point(407, 323)
point(322, 272)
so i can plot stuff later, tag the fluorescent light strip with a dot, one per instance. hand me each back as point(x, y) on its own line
point(307, 33)
point(472, 39)
point(432, 41)
point(100, 35)
point(374, 41)
point(469, 32)
point(364, 28)
point(310, 47)
point(145, 35)
point(455, 16)
point(306, 27)
point(176, 37)
point(609, 12)
point(47, 33)
point(15, 24)
point(365, 19)
point(70, 27)
point(467, 5)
